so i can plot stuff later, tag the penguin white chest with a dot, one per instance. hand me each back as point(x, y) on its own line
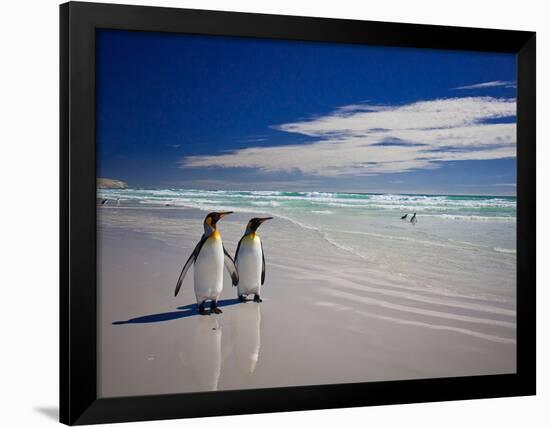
point(249, 265)
point(208, 270)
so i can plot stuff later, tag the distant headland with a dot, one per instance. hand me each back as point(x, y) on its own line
point(110, 183)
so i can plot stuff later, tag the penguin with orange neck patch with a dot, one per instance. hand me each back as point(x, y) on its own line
point(250, 261)
point(208, 260)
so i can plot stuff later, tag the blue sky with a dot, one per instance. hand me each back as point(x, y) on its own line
point(235, 113)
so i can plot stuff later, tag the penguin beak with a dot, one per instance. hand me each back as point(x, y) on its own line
point(222, 214)
point(265, 219)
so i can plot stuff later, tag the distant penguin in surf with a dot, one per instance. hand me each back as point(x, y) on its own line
point(404, 216)
point(413, 219)
point(250, 261)
point(209, 258)
point(104, 201)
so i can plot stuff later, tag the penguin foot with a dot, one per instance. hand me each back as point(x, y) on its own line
point(257, 298)
point(214, 308)
point(202, 310)
point(242, 298)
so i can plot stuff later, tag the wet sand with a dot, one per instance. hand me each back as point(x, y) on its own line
point(328, 316)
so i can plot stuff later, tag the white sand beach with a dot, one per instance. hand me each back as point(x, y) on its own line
point(331, 313)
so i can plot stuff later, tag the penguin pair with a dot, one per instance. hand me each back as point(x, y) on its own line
point(247, 271)
point(412, 220)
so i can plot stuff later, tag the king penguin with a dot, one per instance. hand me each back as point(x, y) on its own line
point(209, 257)
point(250, 261)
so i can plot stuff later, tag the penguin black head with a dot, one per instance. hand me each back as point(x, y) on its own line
point(212, 218)
point(254, 223)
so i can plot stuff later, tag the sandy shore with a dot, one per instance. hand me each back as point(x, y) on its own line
point(327, 317)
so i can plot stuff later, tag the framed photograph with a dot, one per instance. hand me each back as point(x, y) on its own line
point(267, 213)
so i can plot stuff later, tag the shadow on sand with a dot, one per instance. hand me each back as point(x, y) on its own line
point(183, 311)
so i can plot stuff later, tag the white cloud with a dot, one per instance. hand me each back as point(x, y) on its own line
point(369, 140)
point(486, 85)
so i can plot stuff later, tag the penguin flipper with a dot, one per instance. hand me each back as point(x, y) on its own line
point(231, 268)
point(238, 247)
point(188, 263)
point(263, 263)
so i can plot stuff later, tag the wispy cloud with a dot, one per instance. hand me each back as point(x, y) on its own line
point(506, 185)
point(360, 140)
point(174, 145)
point(488, 85)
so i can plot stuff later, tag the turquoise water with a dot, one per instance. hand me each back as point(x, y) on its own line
point(449, 207)
point(481, 221)
point(460, 242)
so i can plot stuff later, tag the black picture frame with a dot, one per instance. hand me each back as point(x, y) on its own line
point(79, 403)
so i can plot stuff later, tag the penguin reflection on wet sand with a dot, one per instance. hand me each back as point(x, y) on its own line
point(250, 261)
point(206, 353)
point(246, 336)
point(209, 258)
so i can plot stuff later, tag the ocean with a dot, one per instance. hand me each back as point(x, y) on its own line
point(471, 235)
